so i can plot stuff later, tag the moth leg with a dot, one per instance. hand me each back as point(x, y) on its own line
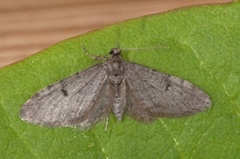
point(106, 124)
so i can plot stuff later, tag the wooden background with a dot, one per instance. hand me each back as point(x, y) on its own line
point(28, 26)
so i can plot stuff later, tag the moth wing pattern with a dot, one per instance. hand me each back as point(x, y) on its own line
point(116, 86)
point(70, 102)
point(154, 94)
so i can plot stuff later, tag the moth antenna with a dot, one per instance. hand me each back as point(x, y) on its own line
point(98, 58)
point(146, 48)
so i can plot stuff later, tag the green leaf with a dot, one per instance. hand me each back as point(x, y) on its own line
point(200, 44)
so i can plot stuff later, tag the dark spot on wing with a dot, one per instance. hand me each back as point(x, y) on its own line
point(65, 92)
point(168, 82)
point(167, 86)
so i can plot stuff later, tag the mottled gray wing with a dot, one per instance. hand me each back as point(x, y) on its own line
point(153, 94)
point(79, 101)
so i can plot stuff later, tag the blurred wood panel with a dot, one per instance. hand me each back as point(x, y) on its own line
point(27, 27)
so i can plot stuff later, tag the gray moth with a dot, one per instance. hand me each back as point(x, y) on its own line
point(115, 86)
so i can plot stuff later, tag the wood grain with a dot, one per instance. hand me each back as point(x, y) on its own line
point(27, 27)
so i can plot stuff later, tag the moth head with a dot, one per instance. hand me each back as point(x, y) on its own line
point(115, 51)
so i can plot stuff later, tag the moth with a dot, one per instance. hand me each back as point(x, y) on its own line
point(115, 86)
